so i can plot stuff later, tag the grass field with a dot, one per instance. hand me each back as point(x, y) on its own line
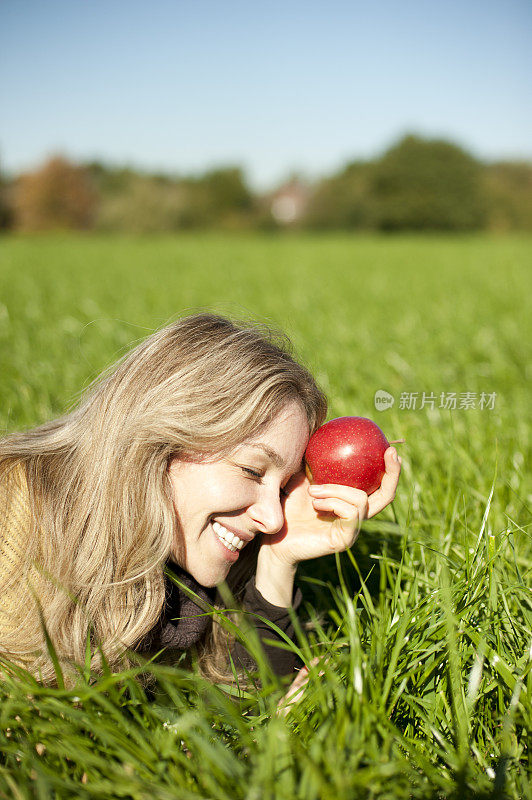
point(427, 689)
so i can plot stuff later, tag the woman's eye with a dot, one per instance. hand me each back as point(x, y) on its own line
point(258, 476)
point(252, 472)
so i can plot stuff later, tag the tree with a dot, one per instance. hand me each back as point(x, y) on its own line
point(219, 198)
point(424, 184)
point(59, 195)
point(341, 201)
point(508, 187)
point(142, 204)
point(6, 213)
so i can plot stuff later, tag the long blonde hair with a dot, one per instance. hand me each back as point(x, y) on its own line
point(103, 522)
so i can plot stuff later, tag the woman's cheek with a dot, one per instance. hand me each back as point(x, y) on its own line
point(237, 492)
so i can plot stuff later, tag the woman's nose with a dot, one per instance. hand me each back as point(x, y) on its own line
point(267, 512)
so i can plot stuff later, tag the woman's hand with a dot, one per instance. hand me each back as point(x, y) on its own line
point(295, 690)
point(322, 520)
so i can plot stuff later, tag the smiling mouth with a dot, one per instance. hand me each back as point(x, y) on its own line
point(228, 539)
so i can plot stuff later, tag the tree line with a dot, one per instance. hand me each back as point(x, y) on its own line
point(417, 184)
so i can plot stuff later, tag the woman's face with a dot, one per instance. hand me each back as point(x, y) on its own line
point(237, 495)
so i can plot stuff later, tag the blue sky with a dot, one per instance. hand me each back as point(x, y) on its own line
point(185, 85)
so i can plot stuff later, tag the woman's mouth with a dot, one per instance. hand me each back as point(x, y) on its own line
point(230, 542)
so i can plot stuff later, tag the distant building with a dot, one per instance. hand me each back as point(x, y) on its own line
point(289, 202)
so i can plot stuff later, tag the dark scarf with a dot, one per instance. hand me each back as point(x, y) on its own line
point(184, 632)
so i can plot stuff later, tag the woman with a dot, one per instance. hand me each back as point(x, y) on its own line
point(186, 454)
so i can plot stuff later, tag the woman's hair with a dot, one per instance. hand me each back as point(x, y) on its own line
point(103, 521)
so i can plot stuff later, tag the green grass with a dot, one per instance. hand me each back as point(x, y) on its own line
point(427, 643)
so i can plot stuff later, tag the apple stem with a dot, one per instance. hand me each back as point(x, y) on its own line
point(398, 441)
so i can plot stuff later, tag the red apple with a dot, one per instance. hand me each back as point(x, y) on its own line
point(348, 451)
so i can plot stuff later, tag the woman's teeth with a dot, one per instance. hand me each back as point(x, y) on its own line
point(230, 540)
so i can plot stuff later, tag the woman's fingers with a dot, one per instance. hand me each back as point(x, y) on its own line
point(348, 493)
point(386, 493)
point(295, 690)
point(368, 505)
point(346, 521)
point(339, 508)
point(348, 505)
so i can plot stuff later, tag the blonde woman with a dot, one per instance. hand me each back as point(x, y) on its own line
point(186, 454)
